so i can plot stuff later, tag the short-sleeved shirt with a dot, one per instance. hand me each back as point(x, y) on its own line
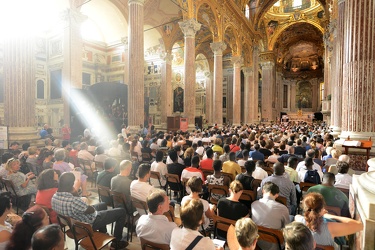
point(232, 168)
point(155, 228)
point(66, 204)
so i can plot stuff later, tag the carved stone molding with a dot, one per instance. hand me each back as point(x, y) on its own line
point(190, 27)
point(218, 47)
point(140, 2)
point(268, 56)
point(247, 71)
point(167, 57)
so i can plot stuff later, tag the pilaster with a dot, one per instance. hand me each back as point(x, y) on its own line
point(166, 88)
point(249, 97)
point(237, 61)
point(267, 62)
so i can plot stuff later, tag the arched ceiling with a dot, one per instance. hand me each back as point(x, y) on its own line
point(299, 48)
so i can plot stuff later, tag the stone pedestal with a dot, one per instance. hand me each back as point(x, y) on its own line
point(218, 48)
point(136, 113)
point(19, 89)
point(362, 207)
point(236, 60)
point(189, 28)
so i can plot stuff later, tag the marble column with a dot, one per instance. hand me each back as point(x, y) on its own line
point(236, 60)
point(358, 114)
point(218, 48)
point(72, 65)
point(136, 112)
point(209, 97)
point(166, 89)
point(336, 101)
point(19, 89)
point(189, 28)
point(125, 41)
point(255, 102)
point(293, 94)
point(267, 61)
point(249, 95)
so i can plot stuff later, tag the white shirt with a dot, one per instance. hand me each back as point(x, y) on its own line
point(179, 160)
point(140, 190)
point(182, 237)
point(301, 165)
point(241, 162)
point(162, 169)
point(155, 228)
point(259, 173)
point(343, 180)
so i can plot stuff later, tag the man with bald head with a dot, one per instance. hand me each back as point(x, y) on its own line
point(286, 186)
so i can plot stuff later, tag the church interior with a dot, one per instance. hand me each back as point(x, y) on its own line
point(90, 63)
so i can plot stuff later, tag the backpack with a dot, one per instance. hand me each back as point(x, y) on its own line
point(312, 176)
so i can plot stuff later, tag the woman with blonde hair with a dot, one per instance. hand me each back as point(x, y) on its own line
point(320, 223)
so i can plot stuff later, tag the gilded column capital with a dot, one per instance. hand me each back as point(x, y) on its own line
point(267, 64)
point(167, 57)
point(139, 2)
point(190, 27)
point(247, 71)
point(237, 61)
point(268, 56)
point(218, 47)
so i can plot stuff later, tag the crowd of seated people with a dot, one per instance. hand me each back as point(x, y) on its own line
point(200, 158)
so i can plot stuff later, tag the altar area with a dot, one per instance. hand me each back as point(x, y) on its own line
point(299, 116)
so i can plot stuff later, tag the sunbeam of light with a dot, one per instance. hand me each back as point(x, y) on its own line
point(88, 115)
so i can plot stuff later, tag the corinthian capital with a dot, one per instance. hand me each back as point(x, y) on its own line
point(247, 71)
point(190, 27)
point(218, 47)
point(167, 57)
point(140, 2)
point(237, 61)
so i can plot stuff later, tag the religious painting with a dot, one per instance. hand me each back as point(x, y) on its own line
point(271, 27)
point(168, 29)
point(304, 95)
point(178, 97)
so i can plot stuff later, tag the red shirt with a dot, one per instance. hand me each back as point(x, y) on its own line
point(207, 164)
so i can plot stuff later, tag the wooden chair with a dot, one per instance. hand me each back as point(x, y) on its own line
point(218, 190)
point(176, 185)
point(271, 235)
point(333, 210)
point(282, 200)
point(255, 184)
point(221, 223)
point(88, 170)
point(141, 205)
point(146, 158)
point(268, 169)
point(249, 196)
point(230, 176)
point(345, 191)
point(207, 173)
point(170, 214)
point(16, 199)
point(322, 247)
point(66, 221)
point(104, 194)
point(148, 245)
point(305, 186)
point(92, 239)
point(99, 165)
point(156, 175)
point(119, 200)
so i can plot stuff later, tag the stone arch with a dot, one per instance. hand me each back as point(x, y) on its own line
point(231, 39)
point(210, 12)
